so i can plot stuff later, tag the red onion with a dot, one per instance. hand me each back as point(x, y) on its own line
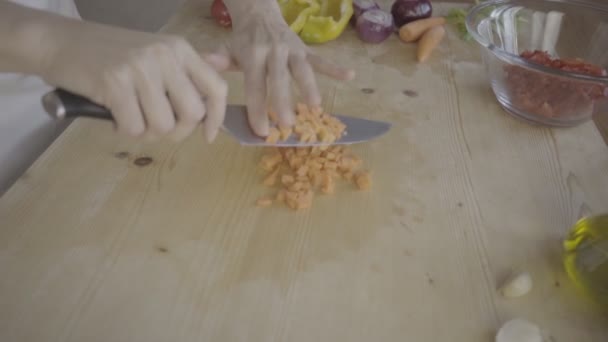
point(360, 6)
point(374, 26)
point(405, 11)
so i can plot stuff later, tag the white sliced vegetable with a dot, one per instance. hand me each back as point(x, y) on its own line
point(517, 285)
point(553, 25)
point(510, 29)
point(538, 25)
point(519, 330)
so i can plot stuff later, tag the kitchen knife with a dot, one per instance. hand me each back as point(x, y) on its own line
point(61, 104)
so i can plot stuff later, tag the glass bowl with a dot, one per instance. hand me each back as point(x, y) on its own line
point(536, 54)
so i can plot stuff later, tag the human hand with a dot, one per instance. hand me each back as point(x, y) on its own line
point(268, 52)
point(154, 85)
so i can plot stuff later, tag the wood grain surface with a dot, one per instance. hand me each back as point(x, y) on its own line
point(98, 244)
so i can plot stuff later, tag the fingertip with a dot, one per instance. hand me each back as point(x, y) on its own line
point(210, 132)
point(210, 136)
point(149, 137)
point(261, 128)
point(288, 119)
point(133, 130)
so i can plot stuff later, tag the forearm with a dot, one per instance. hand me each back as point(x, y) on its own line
point(26, 37)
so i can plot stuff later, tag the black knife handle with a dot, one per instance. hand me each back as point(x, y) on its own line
point(62, 104)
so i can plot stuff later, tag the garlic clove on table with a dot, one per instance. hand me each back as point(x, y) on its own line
point(519, 330)
point(517, 285)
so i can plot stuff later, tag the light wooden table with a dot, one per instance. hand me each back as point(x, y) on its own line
point(96, 248)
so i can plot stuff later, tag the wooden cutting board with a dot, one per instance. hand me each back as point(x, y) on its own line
point(104, 239)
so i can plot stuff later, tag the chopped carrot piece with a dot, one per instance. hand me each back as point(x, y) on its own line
point(273, 136)
point(348, 176)
point(338, 150)
point(287, 179)
point(269, 162)
point(302, 152)
point(295, 162)
point(272, 115)
point(297, 186)
point(315, 164)
point(346, 164)
point(264, 202)
point(330, 165)
point(281, 195)
point(304, 200)
point(289, 153)
point(329, 186)
point(302, 109)
point(299, 128)
point(285, 132)
point(363, 180)
point(291, 199)
point(271, 179)
point(302, 171)
point(317, 110)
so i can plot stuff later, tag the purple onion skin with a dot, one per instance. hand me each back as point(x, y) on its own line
point(406, 11)
point(373, 31)
point(359, 7)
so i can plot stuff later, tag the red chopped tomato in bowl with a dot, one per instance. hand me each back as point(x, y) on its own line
point(553, 96)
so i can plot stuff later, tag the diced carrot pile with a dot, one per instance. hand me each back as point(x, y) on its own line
point(312, 126)
point(300, 172)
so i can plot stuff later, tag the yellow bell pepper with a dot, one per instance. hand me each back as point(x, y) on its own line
point(317, 22)
point(329, 23)
point(296, 12)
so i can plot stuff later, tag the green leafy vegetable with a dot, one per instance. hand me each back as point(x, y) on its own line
point(457, 17)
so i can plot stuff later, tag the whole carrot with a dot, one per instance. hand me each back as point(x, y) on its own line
point(410, 32)
point(429, 41)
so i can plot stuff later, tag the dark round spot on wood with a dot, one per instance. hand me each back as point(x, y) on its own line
point(410, 93)
point(162, 249)
point(460, 204)
point(557, 284)
point(121, 155)
point(143, 161)
point(368, 90)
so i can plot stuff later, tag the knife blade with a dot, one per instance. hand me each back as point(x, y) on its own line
point(62, 104)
